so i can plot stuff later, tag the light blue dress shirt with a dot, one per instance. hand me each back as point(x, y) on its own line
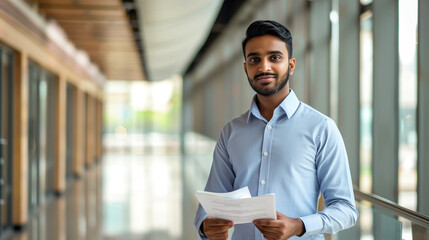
point(297, 155)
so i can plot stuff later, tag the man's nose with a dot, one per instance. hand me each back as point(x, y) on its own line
point(265, 66)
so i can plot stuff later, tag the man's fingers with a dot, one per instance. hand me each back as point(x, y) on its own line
point(218, 222)
point(269, 233)
point(267, 223)
point(217, 228)
point(215, 233)
point(267, 230)
point(218, 235)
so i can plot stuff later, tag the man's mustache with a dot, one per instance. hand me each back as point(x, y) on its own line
point(265, 74)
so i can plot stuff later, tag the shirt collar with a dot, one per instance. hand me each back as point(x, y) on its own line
point(289, 105)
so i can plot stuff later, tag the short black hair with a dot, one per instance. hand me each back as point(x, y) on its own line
point(268, 27)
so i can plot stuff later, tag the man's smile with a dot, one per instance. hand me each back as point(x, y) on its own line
point(265, 77)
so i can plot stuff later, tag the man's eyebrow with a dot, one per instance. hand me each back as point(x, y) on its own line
point(253, 54)
point(275, 52)
point(269, 52)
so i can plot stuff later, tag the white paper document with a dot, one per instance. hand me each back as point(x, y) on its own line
point(238, 206)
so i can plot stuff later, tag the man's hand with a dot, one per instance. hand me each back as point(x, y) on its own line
point(281, 228)
point(217, 229)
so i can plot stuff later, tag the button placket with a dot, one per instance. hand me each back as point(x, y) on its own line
point(265, 161)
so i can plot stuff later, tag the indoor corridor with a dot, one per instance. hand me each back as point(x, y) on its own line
point(110, 110)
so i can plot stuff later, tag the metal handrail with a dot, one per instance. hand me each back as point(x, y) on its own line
point(393, 207)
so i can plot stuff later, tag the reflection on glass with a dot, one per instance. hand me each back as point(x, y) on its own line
point(365, 91)
point(366, 64)
point(43, 102)
point(407, 103)
point(366, 222)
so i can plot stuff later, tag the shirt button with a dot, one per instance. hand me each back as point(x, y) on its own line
point(263, 182)
point(265, 154)
point(269, 127)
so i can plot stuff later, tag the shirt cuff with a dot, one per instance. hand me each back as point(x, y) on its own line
point(313, 224)
point(199, 225)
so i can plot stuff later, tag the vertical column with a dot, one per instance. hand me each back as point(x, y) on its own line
point(20, 145)
point(385, 99)
point(385, 111)
point(348, 92)
point(320, 35)
point(60, 138)
point(100, 136)
point(78, 161)
point(99, 128)
point(348, 82)
point(423, 109)
point(89, 131)
point(300, 35)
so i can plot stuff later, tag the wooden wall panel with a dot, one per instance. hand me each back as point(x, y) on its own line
point(79, 135)
point(99, 132)
point(60, 143)
point(90, 131)
point(20, 145)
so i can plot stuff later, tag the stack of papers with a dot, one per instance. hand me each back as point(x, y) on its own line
point(238, 206)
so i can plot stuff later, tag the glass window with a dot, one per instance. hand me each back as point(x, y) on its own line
point(407, 103)
point(70, 129)
point(41, 129)
point(33, 139)
point(6, 134)
point(366, 73)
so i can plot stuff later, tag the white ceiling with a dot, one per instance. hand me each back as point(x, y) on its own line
point(173, 32)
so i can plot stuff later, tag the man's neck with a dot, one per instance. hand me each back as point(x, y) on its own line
point(267, 104)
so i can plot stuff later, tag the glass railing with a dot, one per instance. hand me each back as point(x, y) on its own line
point(383, 219)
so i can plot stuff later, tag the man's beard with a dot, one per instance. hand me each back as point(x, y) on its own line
point(278, 85)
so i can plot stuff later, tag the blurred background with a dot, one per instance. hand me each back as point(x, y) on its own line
point(110, 110)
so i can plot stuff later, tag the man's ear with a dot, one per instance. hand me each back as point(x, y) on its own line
point(245, 69)
point(291, 66)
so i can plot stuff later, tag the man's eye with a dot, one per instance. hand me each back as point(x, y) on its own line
point(253, 60)
point(276, 58)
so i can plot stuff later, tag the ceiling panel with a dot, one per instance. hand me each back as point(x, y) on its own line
point(173, 31)
point(101, 28)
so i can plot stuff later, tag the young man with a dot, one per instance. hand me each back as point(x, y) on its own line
point(280, 146)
